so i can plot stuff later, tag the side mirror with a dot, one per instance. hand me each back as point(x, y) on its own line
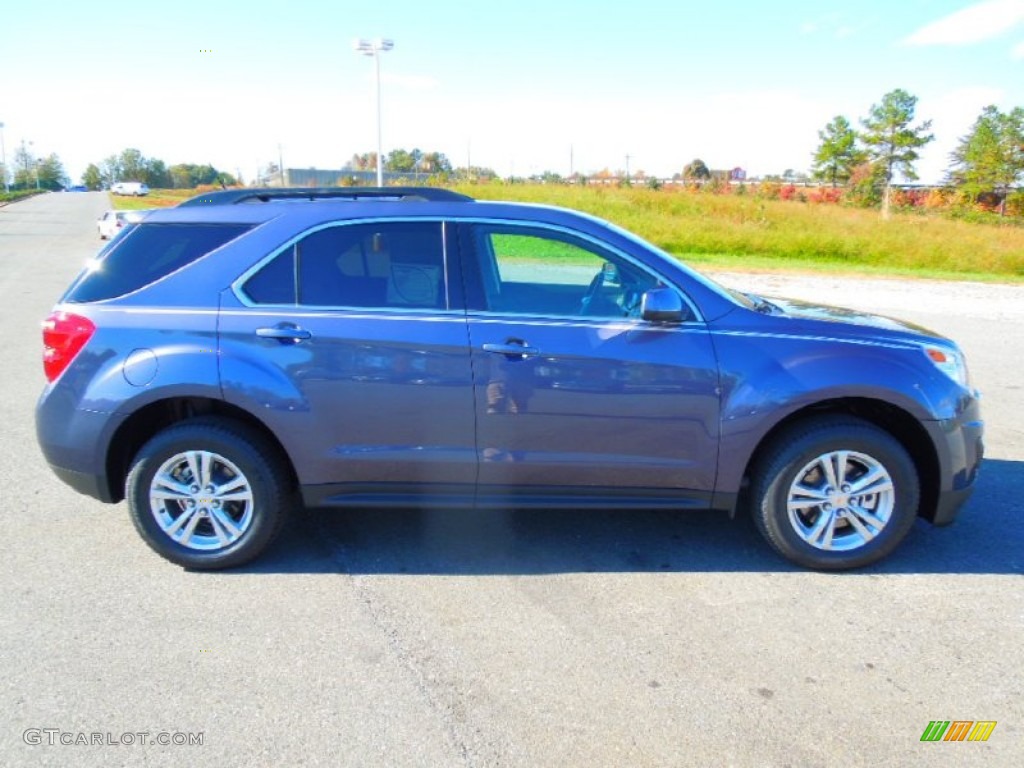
point(662, 305)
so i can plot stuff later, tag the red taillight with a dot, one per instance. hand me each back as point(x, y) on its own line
point(64, 335)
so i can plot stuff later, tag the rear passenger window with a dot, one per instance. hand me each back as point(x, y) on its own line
point(382, 265)
point(274, 283)
point(147, 253)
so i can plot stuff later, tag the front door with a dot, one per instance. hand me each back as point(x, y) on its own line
point(576, 396)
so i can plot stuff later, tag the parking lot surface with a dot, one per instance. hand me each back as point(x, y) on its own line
point(455, 638)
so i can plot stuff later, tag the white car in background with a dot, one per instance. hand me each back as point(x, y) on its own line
point(111, 222)
point(134, 188)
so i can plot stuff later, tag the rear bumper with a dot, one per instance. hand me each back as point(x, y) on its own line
point(75, 443)
point(960, 447)
point(95, 486)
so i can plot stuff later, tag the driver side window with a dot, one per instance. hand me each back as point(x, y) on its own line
point(537, 272)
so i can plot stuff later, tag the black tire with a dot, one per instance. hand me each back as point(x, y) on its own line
point(227, 526)
point(847, 529)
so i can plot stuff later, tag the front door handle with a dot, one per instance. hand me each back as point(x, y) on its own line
point(512, 351)
point(284, 333)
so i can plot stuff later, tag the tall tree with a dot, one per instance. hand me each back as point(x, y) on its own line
point(24, 168)
point(364, 162)
point(50, 171)
point(838, 153)
point(401, 160)
point(92, 178)
point(111, 170)
point(696, 169)
point(133, 165)
point(991, 157)
point(435, 162)
point(891, 141)
point(156, 174)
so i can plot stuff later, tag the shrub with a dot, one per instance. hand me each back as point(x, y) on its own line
point(1015, 203)
point(19, 194)
point(768, 190)
point(825, 195)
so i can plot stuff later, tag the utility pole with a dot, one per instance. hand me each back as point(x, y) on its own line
point(627, 168)
point(3, 159)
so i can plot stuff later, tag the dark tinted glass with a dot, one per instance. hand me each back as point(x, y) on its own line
point(146, 254)
point(386, 265)
point(275, 282)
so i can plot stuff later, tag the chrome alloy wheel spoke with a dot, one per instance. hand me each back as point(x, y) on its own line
point(201, 500)
point(841, 500)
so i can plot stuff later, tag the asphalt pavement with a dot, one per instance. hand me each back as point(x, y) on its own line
point(453, 638)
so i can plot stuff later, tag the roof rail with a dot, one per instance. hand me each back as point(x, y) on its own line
point(265, 195)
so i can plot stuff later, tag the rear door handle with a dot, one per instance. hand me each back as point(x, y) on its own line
point(512, 351)
point(284, 333)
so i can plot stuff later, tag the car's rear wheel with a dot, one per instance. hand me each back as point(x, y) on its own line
point(835, 493)
point(208, 494)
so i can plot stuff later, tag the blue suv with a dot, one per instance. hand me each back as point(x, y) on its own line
point(221, 363)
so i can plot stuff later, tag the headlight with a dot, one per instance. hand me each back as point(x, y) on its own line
point(950, 362)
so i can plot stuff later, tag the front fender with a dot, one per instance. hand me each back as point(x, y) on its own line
point(767, 378)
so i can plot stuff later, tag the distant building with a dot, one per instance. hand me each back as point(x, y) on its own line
point(316, 177)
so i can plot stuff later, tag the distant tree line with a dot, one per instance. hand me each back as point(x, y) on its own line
point(31, 172)
point(132, 165)
point(987, 163)
point(414, 162)
point(401, 161)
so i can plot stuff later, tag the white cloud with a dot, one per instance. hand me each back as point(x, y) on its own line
point(1017, 51)
point(973, 24)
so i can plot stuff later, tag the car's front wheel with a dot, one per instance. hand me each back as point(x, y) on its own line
point(208, 494)
point(835, 493)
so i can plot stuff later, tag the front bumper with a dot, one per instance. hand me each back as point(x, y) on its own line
point(960, 446)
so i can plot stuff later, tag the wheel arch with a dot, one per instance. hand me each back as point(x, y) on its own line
point(892, 419)
point(147, 421)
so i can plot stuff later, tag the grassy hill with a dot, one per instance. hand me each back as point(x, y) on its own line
point(745, 232)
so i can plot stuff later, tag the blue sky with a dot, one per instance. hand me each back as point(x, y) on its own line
point(520, 87)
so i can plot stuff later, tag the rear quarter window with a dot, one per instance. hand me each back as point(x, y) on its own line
point(146, 254)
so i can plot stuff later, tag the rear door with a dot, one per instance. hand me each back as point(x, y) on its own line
point(351, 343)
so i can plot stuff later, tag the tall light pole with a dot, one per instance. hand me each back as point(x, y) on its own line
point(35, 163)
point(375, 48)
point(3, 159)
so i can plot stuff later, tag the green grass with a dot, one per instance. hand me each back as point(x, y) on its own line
point(157, 198)
point(744, 232)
